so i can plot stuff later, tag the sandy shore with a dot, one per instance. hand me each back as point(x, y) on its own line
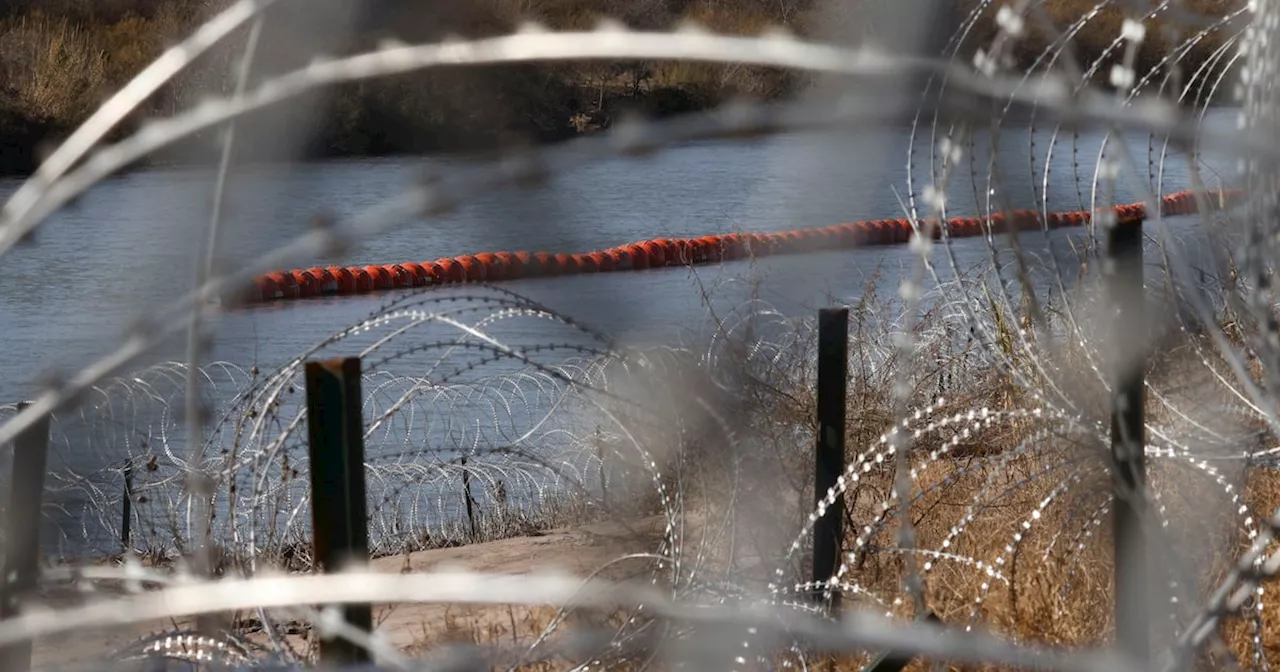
point(414, 627)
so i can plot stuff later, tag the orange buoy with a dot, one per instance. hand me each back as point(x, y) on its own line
point(877, 232)
point(657, 255)
point(661, 252)
point(544, 263)
point(472, 269)
point(710, 249)
point(493, 267)
point(417, 274)
point(568, 264)
point(696, 250)
point(899, 231)
point(810, 239)
point(552, 265)
point(435, 274)
point(670, 251)
point(451, 270)
point(639, 257)
point(287, 283)
point(364, 281)
point(903, 231)
point(343, 280)
point(307, 285)
point(325, 282)
point(603, 262)
point(530, 265)
point(265, 289)
point(719, 247)
point(400, 277)
point(869, 231)
point(855, 234)
point(512, 267)
point(675, 249)
point(759, 245)
point(733, 246)
point(621, 259)
point(381, 277)
point(820, 240)
point(845, 236)
point(888, 231)
point(680, 248)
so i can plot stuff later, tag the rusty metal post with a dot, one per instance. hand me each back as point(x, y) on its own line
point(335, 427)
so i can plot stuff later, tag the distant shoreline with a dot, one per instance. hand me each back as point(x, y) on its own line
point(59, 64)
point(19, 156)
point(24, 141)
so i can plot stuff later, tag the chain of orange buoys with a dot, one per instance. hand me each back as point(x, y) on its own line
point(496, 266)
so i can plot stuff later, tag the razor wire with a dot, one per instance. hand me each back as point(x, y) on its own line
point(531, 435)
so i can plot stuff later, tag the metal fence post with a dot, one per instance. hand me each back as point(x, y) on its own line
point(126, 508)
point(335, 427)
point(1123, 275)
point(22, 538)
point(833, 363)
point(894, 661)
point(468, 500)
point(604, 483)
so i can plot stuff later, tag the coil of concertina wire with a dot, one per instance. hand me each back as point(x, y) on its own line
point(660, 252)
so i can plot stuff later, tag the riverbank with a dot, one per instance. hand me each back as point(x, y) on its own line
point(415, 628)
point(58, 61)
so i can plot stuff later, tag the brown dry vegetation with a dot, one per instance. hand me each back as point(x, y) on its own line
point(994, 480)
point(60, 58)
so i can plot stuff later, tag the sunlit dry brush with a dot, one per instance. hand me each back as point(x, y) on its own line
point(1012, 494)
point(1034, 558)
point(1095, 28)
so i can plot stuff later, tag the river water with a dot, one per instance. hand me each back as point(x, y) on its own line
point(128, 245)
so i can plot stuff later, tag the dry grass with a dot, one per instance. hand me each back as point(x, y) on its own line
point(57, 64)
point(1032, 559)
point(1094, 38)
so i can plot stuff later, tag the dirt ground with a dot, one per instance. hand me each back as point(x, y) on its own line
point(414, 627)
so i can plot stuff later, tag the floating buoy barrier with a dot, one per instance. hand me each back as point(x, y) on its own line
point(661, 252)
